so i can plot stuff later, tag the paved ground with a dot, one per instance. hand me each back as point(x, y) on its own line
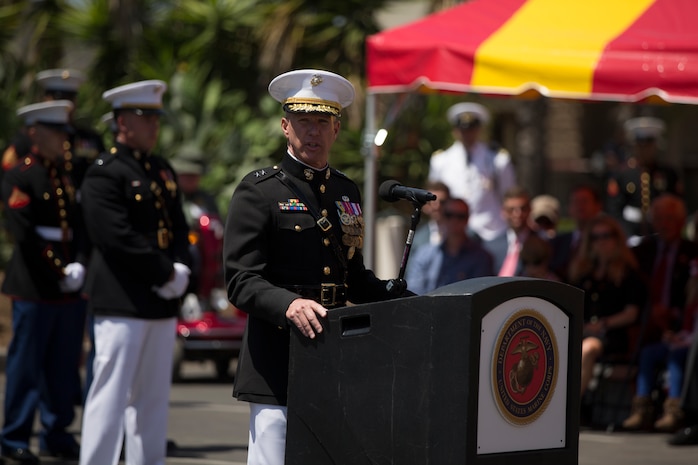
point(209, 427)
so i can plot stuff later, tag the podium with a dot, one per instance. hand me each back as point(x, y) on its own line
point(484, 371)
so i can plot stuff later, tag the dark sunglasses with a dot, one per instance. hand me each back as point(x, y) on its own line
point(600, 236)
point(460, 216)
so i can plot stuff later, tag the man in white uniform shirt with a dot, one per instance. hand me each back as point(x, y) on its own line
point(473, 171)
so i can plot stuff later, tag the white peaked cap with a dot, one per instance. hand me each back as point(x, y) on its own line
point(312, 90)
point(62, 80)
point(464, 114)
point(143, 95)
point(55, 112)
point(644, 127)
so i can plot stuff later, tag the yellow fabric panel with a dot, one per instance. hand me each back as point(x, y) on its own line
point(553, 45)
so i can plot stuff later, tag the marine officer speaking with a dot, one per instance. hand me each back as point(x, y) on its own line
point(43, 279)
point(138, 270)
point(292, 250)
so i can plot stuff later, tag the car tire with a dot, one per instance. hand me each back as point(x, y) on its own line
point(222, 368)
point(177, 359)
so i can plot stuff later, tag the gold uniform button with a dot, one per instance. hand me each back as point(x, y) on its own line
point(324, 213)
point(57, 262)
point(46, 196)
point(138, 197)
point(326, 241)
point(297, 227)
point(322, 188)
point(326, 270)
point(49, 254)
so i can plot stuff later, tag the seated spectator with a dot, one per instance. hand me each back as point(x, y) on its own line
point(584, 204)
point(667, 257)
point(506, 247)
point(429, 231)
point(606, 269)
point(672, 353)
point(458, 257)
point(545, 213)
point(535, 257)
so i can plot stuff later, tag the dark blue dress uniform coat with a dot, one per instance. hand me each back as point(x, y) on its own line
point(39, 193)
point(272, 243)
point(42, 364)
point(134, 218)
point(636, 187)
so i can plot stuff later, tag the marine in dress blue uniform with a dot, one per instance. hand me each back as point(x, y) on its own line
point(292, 250)
point(43, 280)
point(138, 271)
point(631, 190)
point(85, 143)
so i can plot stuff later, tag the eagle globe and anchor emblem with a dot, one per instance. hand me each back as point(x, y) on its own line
point(524, 367)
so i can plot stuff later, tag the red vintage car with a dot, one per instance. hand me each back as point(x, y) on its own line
point(209, 327)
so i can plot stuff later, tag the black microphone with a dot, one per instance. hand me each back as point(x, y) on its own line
point(392, 191)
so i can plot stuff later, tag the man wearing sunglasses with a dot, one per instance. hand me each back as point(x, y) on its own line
point(456, 258)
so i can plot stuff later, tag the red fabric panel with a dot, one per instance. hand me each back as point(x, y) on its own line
point(659, 50)
point(439, 48)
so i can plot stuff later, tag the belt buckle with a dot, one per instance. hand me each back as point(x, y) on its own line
point(163, 236)
point(324, 224)
point(328, 294)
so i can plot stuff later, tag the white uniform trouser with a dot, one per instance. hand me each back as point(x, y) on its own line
point(130, 392)
point(267, 444)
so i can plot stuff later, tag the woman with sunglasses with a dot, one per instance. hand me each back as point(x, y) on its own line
point(606, 269)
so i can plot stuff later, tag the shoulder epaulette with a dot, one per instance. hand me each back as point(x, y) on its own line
point(339, 173)
point(262, 174)
point(105, 158)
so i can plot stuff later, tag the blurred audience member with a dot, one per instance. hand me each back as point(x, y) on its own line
point(688, 435)
point(584, 205)
point(474, 171)
point(665, 256)
point(458, 257)
point(545, 213)
point(642, 178)
point(606, 269)
point(535, 258)
point(429, 231)
point(671, 352)
point(506, 247)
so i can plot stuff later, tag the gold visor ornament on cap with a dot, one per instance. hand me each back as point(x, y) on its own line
point(312, 91)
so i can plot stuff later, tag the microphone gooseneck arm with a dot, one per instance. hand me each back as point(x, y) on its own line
point(414, 221)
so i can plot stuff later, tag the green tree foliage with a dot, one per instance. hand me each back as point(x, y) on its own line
point(218, 57)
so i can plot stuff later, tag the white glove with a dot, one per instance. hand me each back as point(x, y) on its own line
point(74, 277)
point(177, 286)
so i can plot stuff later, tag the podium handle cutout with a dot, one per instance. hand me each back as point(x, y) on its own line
point(355, 325)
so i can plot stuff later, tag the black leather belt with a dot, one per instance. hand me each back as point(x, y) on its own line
point(326, 294)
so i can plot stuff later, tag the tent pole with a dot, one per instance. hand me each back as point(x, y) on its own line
point(370, 153)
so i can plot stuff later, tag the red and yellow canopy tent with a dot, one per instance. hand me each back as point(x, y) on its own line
point(620, 50)
point(615, 50)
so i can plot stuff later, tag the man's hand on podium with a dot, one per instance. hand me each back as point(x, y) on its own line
point(398, 288)
point(304, 313)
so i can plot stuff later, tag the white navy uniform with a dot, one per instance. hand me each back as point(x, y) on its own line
point(480, 177)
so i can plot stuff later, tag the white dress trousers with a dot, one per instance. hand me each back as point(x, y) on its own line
point(267, 443)
point(130, 392)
